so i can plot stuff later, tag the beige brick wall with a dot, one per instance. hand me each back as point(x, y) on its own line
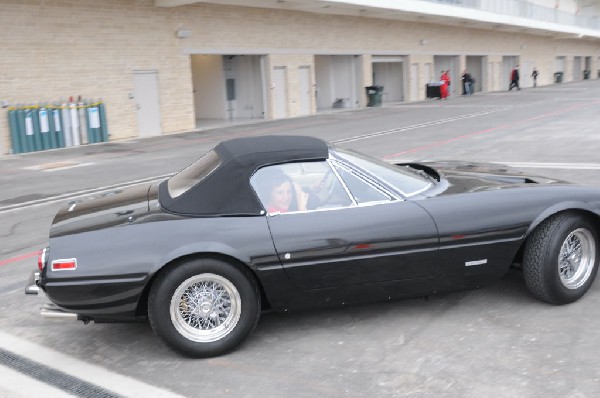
point(53, 49)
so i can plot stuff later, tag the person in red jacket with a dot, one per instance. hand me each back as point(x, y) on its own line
point(445, 83)
point(514, 79)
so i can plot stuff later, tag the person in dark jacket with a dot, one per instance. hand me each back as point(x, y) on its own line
point(514, 78)
point(534, 76)
point(467, 83)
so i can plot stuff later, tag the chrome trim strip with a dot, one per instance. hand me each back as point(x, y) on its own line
point(44, 251)
point(368, 180)
point(416, 192)
point(476, 262)
point(368, 204)
point(341, 180)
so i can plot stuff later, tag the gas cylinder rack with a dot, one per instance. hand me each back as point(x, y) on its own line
point(58, 125)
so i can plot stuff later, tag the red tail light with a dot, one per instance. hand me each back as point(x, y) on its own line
point(67, 264)
point(42, 258)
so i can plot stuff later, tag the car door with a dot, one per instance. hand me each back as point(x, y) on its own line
point(350, 239)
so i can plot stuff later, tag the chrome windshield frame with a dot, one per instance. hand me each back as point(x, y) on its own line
point(394, 191)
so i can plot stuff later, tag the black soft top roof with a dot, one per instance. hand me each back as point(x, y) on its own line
point(227, 190)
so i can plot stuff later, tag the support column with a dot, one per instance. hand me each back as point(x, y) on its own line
point(365, 65)
point(425, 74)
point(494, 80)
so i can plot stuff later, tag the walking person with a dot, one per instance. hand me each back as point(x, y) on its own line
point(514, 79)
point(534, 76)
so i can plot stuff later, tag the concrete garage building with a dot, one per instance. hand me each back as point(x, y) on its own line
point(168, 66)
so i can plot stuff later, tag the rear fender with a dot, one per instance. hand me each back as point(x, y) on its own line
point(202, 247)
point(206, 249)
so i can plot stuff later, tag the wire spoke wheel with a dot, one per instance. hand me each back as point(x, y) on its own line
point(205, 308)
point(576, 258)
point(560, 261)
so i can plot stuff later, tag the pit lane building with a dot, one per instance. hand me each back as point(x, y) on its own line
point(168, 66)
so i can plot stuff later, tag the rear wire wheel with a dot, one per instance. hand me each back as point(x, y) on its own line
point(561, 258)
point(204, 307)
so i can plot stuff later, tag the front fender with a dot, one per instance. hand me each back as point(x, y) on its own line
point(560, 207)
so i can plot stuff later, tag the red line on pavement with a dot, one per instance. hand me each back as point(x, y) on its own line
point(460, 137)
point(18, 258)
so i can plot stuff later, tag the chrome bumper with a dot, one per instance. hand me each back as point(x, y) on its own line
point(32, 283)
point(50, 310)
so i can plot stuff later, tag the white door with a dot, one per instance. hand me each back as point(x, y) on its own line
point(146, 99)
point(279, 90)
point(305, 90)
point(428, 73)
point(559, 64)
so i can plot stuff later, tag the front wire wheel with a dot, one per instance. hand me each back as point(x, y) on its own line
point(577, 258)
point(561, 258)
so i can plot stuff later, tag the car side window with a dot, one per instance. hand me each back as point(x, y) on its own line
point(193, 174)
point(301, 186)
point(361, 190)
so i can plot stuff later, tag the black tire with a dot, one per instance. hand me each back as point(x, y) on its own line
point(222, 307)
point(566, 279)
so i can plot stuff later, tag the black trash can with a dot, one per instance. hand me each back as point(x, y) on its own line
point(586, 74)
point(374, 94)
point(558, 76)
point(432, 90)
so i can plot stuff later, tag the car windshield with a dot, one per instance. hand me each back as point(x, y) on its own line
point(193, 174)
point(405, 180)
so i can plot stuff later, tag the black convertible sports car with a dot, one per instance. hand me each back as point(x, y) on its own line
point(286, 222)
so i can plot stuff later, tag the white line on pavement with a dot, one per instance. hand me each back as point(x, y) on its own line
point(426, 124)
point(99, 376)
point(78, 194)
point(57, 166)
point(16, 385)
point(569, 166)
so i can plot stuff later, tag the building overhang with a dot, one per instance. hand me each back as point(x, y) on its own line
point(411, 11)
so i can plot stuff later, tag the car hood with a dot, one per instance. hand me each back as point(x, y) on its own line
point(459, 176)
point(109, 209)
